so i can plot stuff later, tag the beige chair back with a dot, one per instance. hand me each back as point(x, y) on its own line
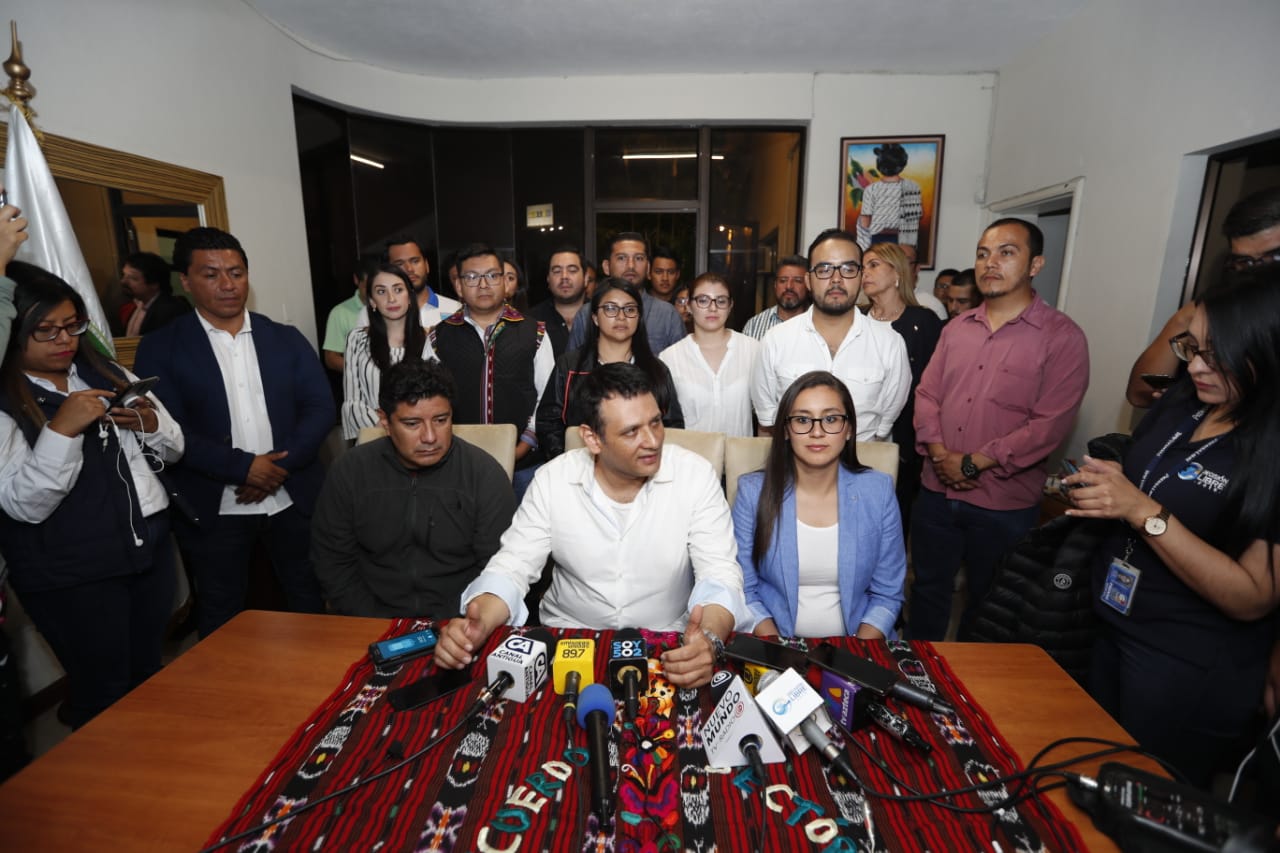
point(744, 455)
point(498, 440)
point(708, 445)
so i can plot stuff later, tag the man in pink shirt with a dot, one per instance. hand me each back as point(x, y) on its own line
point(998, 396)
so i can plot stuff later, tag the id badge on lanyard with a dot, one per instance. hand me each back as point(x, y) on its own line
point(1121, 585)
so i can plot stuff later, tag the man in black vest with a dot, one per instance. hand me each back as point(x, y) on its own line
point(501, 360)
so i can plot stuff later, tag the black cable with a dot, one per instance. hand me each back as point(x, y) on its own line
point(1031, 773)
point(348, 789)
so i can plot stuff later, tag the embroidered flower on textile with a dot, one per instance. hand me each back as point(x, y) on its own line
point(661, 805)
point(653, 752)
point(441, 829)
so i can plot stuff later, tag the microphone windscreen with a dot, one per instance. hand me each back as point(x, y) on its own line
point(574, 656)
point(595, 697)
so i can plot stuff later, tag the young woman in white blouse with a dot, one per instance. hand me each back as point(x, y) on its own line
point(394, 329)
point(84, 520)
point(712, 367)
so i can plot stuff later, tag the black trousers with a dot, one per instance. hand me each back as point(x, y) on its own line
point(108, 634)
point(219, 561)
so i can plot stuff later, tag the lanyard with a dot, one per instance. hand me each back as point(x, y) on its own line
point(1187, 427)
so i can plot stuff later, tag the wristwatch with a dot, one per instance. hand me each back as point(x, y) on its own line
point(1158, 523)
point(970, 470)
point(717, 644)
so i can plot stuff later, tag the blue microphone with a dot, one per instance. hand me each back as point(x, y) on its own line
point(595, 714)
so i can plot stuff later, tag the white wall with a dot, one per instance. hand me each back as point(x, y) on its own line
point(1129, 95)
point(201, 84)
point(207, 83)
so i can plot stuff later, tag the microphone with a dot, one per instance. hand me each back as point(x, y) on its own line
point(878, 679)
point(572, 668)
point(735, 732)
point(795, 710)
point(846, 701)
point(595, 714)
point(516, 668)
point(628, 668)
point(897, 725)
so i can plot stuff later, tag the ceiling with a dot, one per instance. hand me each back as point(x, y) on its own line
point(522, 38)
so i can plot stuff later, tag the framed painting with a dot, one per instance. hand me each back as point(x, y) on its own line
point(889, 189)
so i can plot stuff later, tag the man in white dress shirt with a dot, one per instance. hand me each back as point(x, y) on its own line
point(833, 335)
point(640, 535)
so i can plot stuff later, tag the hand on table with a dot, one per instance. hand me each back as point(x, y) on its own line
point(463, 635)
point(692, 664)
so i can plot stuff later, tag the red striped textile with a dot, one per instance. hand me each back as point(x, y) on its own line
point(511, 779)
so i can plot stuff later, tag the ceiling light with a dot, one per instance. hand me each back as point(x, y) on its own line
point(365, 160)
point(676, 155)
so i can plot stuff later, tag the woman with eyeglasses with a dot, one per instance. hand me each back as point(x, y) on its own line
point(1186, 588)
point(681, 303)
point(819, 536)
point(616, 334)
point(712, 367)
point(395, 328)
point(84, 522)
point(889, 282)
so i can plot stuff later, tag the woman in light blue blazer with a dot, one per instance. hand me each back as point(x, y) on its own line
point(819, 534)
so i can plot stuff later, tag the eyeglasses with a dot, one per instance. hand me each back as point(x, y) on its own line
point(705, 301)
point(44, 334)
point(681, 300)
point(611, 309)
point(472, 279)
point(848, 269)
point(1243, 263)
point(1184, 346)
point(831, 424)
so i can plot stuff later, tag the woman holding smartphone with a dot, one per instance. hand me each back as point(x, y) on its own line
point(394, 329)
point(616, 333)
point(819, 536)
point(1187, 589)
point(84, 526)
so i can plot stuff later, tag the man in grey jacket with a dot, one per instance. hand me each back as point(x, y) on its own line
point(404, 523)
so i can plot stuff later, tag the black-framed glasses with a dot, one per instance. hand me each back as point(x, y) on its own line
point(473, 279)
point(611, 309)
point(1244, 263)
point(1184, 346)
point(46, 333)
point(831, 424)
point(848, 269)
point(704, 301)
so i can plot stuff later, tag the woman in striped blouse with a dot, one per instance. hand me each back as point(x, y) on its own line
point(394, 329)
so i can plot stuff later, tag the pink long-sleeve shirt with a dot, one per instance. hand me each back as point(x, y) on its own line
point(1011, 395)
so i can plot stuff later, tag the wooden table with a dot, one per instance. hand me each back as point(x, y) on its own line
point(165, 765)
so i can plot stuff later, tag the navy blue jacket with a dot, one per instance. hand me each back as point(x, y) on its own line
point(299, 406)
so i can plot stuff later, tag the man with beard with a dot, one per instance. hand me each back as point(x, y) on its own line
point(869, 357)
point(790, 291)
point(567, 286)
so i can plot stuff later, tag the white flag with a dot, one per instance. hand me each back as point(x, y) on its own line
point(52, 244)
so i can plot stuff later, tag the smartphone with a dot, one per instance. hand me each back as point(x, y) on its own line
point(403, 648)
point(429, 688)
point(847, 665)
point(130, 395)
point(745, 647)
point(1068, 468)
point(1159, 381)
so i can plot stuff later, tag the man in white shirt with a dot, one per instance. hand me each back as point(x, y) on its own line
point(869, 357)
point(640, 535)
point(254, 405)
